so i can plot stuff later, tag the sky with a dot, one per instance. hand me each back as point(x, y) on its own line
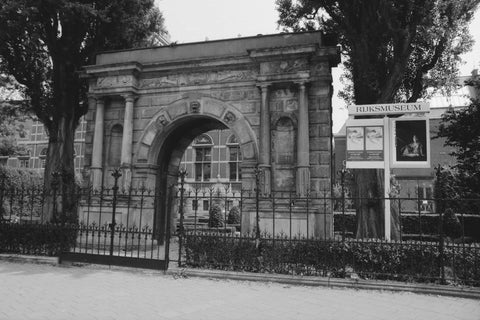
point(194, 20)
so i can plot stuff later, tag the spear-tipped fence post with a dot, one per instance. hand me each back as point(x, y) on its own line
point(182, 173)
point(258, 172)
point(116, 174)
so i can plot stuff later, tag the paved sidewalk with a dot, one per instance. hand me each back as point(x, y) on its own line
point(32, 291)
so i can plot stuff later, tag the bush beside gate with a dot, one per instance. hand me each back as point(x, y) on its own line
point(369, 259)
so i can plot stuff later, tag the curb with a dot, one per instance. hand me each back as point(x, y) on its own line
point(19, 258)
point(379, 285)
point(431, 289)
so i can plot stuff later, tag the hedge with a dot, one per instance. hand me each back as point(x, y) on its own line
point(16, 178)
point(414, 224)
point(36, 239)
point(406, 261)
point(20, 192)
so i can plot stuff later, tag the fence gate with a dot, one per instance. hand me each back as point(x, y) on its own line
point(117, 228)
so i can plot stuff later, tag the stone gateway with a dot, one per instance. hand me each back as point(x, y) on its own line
point(273, 92)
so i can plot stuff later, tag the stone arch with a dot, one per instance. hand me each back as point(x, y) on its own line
point(171, 131)
point(187, 109)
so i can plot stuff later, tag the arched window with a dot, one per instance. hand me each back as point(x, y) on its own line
point(43, 156)
point(115, 148)
point(203, 157)
point(234, 158)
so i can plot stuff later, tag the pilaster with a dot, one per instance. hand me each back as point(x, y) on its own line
point(303, 146)
point(127, 140)
point(97, 153)
point(265, 141)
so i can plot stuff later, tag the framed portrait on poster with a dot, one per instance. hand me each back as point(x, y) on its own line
point(411, 142)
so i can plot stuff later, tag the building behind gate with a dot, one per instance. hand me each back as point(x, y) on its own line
point(273, 93)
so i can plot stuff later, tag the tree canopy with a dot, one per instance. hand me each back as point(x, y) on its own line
point(394, 50)
point(45, 44)
point(392, 47)
point(462, 132)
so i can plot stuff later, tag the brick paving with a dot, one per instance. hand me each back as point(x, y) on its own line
point(33, 291)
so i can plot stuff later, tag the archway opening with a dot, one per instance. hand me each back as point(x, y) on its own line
point(210, 154)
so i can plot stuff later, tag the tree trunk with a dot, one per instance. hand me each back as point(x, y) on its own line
point(60, 204)
point(368, 194)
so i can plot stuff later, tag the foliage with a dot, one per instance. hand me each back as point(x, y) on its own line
point(215, 216)
point(451, 225)
point(11, 111)
point(462, 132)
point(16, 178)
point(391, 48)
point(36, 239)
point(46, 43)
point(390, 45)
point(408, 261)
point(426, 224)
point(337, 194)
point(234, 216)
point(19, 191)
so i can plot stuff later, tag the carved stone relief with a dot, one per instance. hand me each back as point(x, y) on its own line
point(198, 78)
point(116, 81)
point(194, 107)
point(288, 66)
point(321, 68)
point(229, 118)
point(162, 120)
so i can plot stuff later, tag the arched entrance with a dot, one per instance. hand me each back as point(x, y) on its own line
point(169, 134)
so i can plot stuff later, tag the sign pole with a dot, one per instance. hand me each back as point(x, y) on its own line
point(388, 149)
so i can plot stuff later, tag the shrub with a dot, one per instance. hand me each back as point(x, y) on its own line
point(15, 178)
point(426, 224)
point(20, 191)
point(234, 216)
point(37, 239)
point(451, 225)
point(410, 261)
point(215, 217)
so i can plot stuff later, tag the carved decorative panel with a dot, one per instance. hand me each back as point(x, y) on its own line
point(198, 78)
point(116, 81)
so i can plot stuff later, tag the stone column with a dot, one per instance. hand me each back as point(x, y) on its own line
point(97, 152)
point(126, 158)
point(265, 144)
point(303, 146)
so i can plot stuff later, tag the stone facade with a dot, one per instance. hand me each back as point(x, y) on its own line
point(273, 92)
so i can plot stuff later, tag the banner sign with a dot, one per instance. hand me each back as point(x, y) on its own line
point(365, 141)
point(388, 108)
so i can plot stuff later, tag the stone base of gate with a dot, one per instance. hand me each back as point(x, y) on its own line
point(128, 216)
point(300, 225)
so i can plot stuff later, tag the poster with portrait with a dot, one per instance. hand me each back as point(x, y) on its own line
point(411, 141)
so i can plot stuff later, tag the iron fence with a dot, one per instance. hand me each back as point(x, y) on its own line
point(224, 227)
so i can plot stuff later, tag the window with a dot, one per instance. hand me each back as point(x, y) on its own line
point(234, 159)
point(424, 192)
point(205, 205)
point(24, 162)
point(203, 157)
point(43, 156)
point(195, 205)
